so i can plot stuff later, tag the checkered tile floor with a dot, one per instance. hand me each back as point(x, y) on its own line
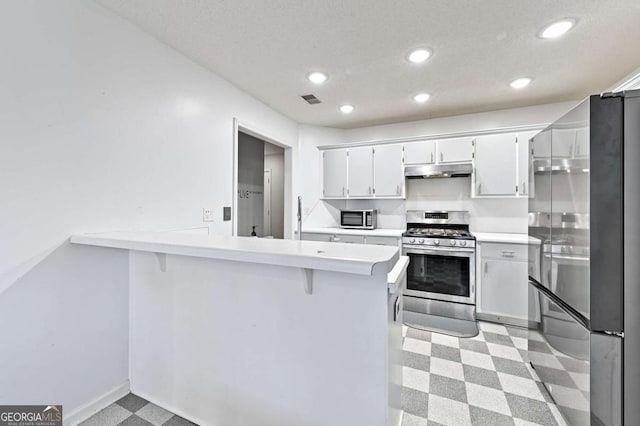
point(482, 380)
point(132, 410)
point(454, 381)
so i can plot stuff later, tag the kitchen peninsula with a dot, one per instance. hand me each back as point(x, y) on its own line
point(237, 330)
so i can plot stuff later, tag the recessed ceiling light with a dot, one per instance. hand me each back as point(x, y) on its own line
point(419, 55)
point(557, 28)
point(520, 83)
point(421, 97)
point(347, 109)
point(317, 77)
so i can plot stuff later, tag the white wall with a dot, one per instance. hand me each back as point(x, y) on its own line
point(487, 215)
point(102, 127)
point(316, 212)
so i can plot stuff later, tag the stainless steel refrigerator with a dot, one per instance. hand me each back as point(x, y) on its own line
point(584, 208)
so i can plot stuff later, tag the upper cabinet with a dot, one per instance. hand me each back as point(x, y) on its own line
point(363, 172)
point(388, 172)
point(542, 144)
point(525, 166)
point(423, 152)
point(360, 172)
point(563, 142)
point(456, 150)
point(582, 142)
point(334, 173)
point(495, 165)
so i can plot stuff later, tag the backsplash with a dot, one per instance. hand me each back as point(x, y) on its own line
point(507, 215)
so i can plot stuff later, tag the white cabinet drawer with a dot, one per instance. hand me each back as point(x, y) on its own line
point(341, 238)
point(309, 236)
point(384, 241)
point(505, 251)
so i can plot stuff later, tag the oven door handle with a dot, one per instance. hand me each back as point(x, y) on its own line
point(441, 252)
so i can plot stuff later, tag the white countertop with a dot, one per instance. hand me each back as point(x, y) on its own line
point(326, 256)
point(491, 237)
point(380, 232)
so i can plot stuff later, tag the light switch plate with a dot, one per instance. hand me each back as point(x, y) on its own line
point(207, 214)
point(226, 213)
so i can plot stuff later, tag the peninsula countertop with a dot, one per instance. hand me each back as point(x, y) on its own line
point(292, 253)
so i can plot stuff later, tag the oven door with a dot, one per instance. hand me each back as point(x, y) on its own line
point(442, 274)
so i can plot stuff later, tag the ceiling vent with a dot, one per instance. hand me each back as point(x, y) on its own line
point(311, 99)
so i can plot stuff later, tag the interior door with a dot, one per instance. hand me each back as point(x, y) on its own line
point(267, 203)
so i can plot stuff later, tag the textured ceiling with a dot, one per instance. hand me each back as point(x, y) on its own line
point(267, 47)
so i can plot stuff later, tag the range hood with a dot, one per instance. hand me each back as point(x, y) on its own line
point(561, 166)
point(438, 171)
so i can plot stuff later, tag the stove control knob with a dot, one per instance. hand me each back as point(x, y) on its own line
point(413, 240)
point(452, 242)
point(421, 241)
point(436, 242)
point(463, 243)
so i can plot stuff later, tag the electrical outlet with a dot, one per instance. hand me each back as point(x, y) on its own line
point(207, 214)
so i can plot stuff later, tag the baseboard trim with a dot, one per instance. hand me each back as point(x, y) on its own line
point(92, 407)
point(505, 320)
point(168, 407)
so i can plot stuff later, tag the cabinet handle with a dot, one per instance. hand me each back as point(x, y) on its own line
point(524, 188)
point(432, 157)
point(571, 151)
point(486, 268)
point(397, 189)
point(441, 157)
point(508, 253)
point(479, 188)
point(343, 191)
point(369, 190)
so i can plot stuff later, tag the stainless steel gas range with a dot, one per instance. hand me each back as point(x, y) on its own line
point(441, 279)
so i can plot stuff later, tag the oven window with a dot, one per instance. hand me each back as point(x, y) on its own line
point(351, 219)
point(439, 274)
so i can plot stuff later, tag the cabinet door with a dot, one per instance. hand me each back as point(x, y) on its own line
point(361, 172)
point(525, 166)
point(334, 172)
point(309, 236)
point(495, 165)
point(388, 174)
point(542, 144)
point(504, 288)
point(351, 239)
point(582, 143)
point(563, 142)
point(420, 152)
point(457, 150)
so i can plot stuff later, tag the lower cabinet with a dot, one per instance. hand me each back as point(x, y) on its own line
point(502, 281)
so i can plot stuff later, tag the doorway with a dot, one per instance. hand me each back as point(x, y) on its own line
point(260, 194)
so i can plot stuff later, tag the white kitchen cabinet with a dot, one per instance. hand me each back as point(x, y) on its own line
point(495, 165)
point(360, 172)
point(334, 173)
point(525, 166)
point(582, 143)
point(423, 152)
point(542, 144)
point(351, 239)
point(388, 173)
point(563, 142)
point(312, 236)
point(503, 288)
point(455, 150)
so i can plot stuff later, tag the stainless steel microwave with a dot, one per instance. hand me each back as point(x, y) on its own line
point(358, 219)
